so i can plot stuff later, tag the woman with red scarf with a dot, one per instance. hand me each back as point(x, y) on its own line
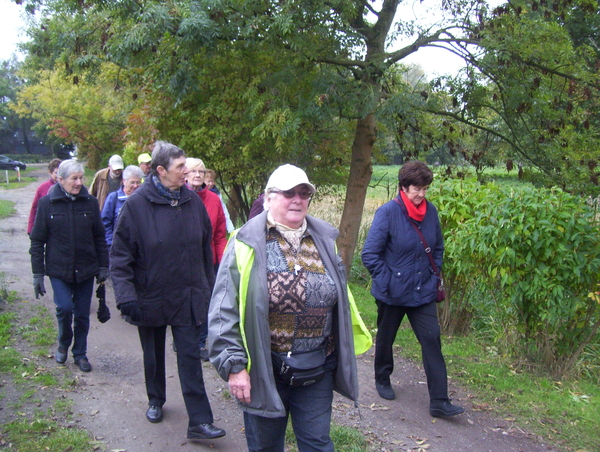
point(404, 282)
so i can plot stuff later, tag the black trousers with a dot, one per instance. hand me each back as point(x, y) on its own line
point(189, 366)
point(424, 322)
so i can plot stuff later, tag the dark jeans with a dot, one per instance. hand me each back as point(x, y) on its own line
point(189, 366)
point(73, 302)
point(424, 322)
point(310, 409)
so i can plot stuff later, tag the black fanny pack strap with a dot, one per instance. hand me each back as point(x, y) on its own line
point(423, 241)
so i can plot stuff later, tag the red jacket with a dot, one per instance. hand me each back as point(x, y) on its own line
point(213, 205)
point(41, 191)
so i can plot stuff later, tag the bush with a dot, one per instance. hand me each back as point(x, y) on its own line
point(534, 255)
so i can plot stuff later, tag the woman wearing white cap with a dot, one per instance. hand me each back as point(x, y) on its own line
point(281, 320)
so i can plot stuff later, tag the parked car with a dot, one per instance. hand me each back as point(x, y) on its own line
point(10, 164)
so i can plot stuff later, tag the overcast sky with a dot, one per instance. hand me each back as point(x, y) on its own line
point(10, 28)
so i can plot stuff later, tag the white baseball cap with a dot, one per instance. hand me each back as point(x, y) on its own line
point(287, 177)
point(116, 162)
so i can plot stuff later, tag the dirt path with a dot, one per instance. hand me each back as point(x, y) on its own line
point(110, 402)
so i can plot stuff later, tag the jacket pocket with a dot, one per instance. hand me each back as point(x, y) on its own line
point(382, 281)
point(397, 281)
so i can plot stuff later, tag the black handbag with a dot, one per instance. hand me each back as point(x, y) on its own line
point(300, 368)
point(441, 291)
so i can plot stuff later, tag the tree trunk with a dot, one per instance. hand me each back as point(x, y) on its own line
point(356, 190)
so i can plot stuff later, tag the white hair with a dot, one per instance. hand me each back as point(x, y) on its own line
point(133, 171)
point(68, 167)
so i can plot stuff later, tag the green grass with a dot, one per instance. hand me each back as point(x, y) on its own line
point(25, 376)
point(384, 181)
point(40, 330)
point(26, 435)
point(344, 438)
point(13, 180)
point(7, 208)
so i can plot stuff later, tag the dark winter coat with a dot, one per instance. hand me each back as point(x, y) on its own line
point(161, 257)
point(67, 240)
point(395, 257)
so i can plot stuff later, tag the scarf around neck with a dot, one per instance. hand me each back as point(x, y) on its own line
point(68, 195)
point(171, 195)
point(417, 213)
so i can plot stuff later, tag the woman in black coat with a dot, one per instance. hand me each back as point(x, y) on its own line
point(68, 245)
point(162, 271)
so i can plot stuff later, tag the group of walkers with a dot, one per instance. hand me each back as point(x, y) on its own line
point(270, 308)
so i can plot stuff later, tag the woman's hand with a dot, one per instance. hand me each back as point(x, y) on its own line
point(239, 386)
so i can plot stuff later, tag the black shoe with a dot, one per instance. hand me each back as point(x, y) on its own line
point(204, 431)
point(385, 391)
point(60, 355)
point(203, 354)
point(154, 414)
point(84, 365)
point(443, 407)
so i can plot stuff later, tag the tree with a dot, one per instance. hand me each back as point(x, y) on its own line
point(89, 115)
point(10, 123)
point(536, 103)
point(330, 63)
point(337, 51)
point(352, 37)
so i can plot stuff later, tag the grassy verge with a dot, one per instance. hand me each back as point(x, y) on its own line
point(13, 179)
point(34, 418)
point(7, 208)
point(344, 439)
point(565, 413)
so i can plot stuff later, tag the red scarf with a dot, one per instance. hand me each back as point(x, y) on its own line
point(417, 213)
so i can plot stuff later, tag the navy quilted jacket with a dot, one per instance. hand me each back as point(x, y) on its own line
point(396, 259)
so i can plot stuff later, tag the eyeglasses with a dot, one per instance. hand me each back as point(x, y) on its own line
point(289, 194)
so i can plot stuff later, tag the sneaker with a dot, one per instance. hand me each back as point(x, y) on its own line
point(385, 391)
point(443, 407)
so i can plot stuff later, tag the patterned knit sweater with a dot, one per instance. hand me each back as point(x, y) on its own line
point(302, 294)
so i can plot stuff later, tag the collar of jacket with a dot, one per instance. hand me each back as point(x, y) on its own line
point(150, 192)
point(121, 196)
point(56, 193)
point(254, 231)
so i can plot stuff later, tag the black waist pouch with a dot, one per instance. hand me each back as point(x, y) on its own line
point(300, 368)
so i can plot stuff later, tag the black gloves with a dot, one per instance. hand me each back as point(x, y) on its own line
point(103, 311)
point(38, 286)
point(131, 309)
point(103, 275)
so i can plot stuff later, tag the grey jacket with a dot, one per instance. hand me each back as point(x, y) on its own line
point(226, 346)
